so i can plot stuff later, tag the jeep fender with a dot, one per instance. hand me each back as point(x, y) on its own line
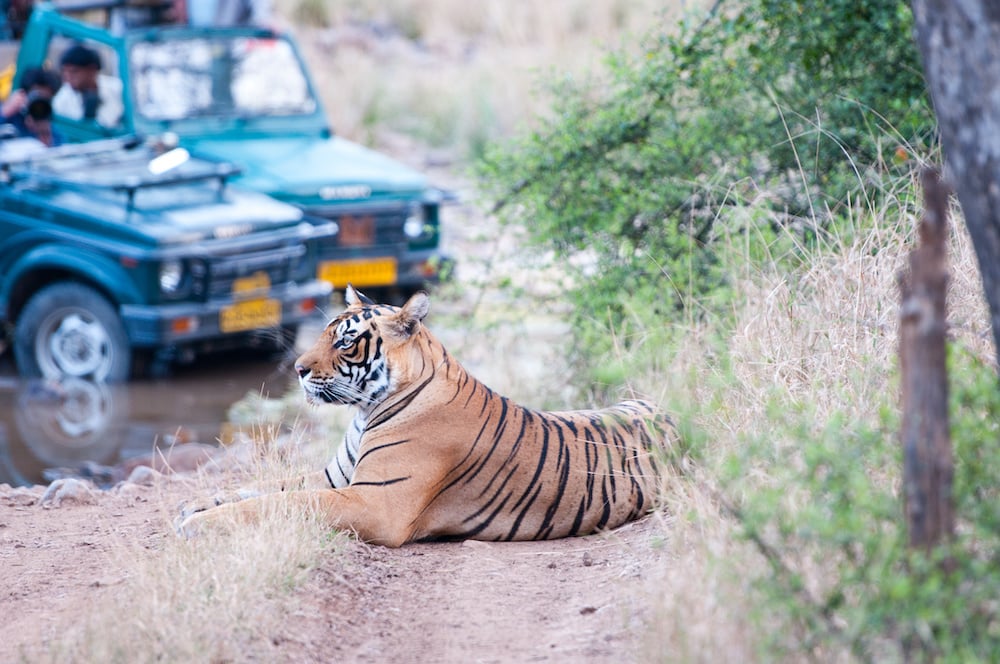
point(84, 265)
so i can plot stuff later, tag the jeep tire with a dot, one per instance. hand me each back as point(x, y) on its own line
point(68, 329)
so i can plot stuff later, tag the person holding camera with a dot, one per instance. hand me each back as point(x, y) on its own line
point(29, 108)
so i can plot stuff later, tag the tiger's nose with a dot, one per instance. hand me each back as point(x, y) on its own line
point(302, 370)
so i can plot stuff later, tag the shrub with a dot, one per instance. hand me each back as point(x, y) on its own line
point(788, 106)
point(828, 520)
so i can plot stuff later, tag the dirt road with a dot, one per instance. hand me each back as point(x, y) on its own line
point(575, 600)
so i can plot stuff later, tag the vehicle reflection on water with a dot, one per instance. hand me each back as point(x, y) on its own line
point(75, 423)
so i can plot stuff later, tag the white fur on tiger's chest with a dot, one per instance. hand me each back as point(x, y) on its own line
point(341, 468)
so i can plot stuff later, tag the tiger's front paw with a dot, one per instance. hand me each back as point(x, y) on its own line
point(192, 513)
point(190, 507)
point(189, 525)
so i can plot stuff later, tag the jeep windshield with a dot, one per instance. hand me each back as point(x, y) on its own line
point(218, 76)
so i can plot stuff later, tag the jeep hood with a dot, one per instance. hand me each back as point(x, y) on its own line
point(177, 217)
point(297, 168)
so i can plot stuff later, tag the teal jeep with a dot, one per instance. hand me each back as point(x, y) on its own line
point(120, 255)
point(244, 95)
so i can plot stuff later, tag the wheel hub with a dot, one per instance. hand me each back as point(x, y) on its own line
point(80, 348)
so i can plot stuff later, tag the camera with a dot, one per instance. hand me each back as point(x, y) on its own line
point(39, 106)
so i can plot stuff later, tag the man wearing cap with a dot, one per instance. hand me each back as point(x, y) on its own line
point(87, 94)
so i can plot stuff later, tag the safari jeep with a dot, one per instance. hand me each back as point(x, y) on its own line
point(244, 95)
point(119, 253)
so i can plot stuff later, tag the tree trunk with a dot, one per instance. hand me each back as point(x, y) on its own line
point(927, 455)
point(959, 41)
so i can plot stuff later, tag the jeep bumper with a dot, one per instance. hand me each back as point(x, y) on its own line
point(414, 269)
point(187, 322)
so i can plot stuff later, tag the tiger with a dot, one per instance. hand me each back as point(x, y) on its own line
point(433, 454)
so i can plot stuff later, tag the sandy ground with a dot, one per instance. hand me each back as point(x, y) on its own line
point(574, 600)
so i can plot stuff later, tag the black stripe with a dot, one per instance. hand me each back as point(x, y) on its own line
point(640, 498)
point(341, 469)
point(524, 512)
point(593, 460)
point(394, 408)
point(526, 417)
point(493, 498)
point(546, 528)
point(606, 512)
point(575, 528)
point(329, 479)
point(382, 447)
point(460, 464)
point(538, 468)
point(611, 473)
point(497, 437)
point(485, 524)
point(395, 480)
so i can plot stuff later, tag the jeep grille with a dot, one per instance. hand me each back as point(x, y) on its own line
point(277, 262)
point(364, 228)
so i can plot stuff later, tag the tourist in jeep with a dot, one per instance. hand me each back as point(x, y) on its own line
point(87, 94)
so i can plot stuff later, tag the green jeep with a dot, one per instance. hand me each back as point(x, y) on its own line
point(244, 95)
point(119, 251)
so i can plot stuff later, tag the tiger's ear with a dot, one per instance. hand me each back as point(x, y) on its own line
point(405, 322)
point(355, 298)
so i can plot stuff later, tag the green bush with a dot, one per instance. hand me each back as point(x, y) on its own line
point(829, 521)
point(791, 107)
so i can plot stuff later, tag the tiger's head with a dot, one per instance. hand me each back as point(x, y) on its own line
point(361, 356)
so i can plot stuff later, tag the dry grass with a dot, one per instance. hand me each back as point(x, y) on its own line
point(215, 598)
point(809, 343)
point(454, 73)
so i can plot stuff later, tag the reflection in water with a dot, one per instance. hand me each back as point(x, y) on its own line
point(78, 426)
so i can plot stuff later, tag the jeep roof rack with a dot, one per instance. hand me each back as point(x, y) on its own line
point(33, 166)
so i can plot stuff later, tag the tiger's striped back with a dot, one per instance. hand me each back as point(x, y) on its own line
point(539, 475)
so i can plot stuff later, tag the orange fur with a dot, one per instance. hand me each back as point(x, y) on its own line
point(441, 456)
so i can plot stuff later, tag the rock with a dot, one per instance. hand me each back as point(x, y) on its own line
point(69, 490)
point(134, 493)
point(21, 496)
point(143, 476)
point(184, 458)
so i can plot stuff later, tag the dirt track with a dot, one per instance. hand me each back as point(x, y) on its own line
point(575, 600)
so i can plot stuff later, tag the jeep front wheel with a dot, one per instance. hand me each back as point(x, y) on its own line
point(68, 329)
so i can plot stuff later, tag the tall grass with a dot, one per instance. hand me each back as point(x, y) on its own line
point(806, 345)
point(217, 597)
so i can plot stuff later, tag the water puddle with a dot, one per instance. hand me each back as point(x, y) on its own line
point(74, 425)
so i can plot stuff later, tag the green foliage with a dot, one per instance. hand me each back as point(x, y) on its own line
point(786, 106)
point(828, 520)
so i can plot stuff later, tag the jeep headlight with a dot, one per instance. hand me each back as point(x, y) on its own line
point(416, 222)
point(171, 276)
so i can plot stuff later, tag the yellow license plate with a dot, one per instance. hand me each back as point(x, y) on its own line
point(258, 283)
point(250, 315)
point(372, 272)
